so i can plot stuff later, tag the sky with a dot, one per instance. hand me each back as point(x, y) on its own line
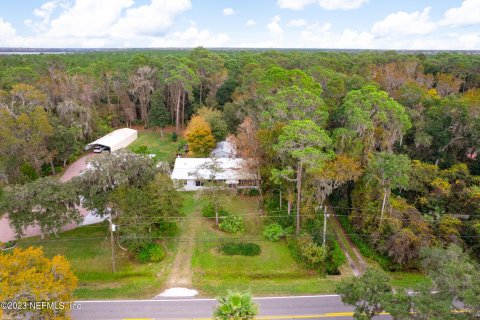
point(336, 24)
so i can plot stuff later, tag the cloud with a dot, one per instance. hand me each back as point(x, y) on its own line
point(294, 4)
point(6, 30)
point(322, 36)
point(191, 37)
point(467, 14)
point(45, 10)
point(325, 4)
point(88, 18)
point(403, 23)
point(152, 19)
point(111, 18)
point(274, 27)
point(297, 23)
point(470, 41)
point(228, 12)
point(250, 23)
point(341, 4)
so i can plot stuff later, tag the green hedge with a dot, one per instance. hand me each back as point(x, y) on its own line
point(335, 258)
point(241, 249)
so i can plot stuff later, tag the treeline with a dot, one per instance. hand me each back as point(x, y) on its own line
point(389, 139)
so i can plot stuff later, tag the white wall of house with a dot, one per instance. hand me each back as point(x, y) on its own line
point(189, 185)
point(193, 185)
point(234, 173)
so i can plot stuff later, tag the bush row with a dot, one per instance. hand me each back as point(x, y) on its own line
point(243, 249)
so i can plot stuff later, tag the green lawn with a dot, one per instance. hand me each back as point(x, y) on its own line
point(88, 251)
point(273, 272)
point(164, 148)
point(406, 280)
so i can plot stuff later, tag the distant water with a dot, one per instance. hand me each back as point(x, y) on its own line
point(29, 52)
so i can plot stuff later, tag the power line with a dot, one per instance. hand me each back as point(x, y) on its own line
point(214, 239)
point(259, 215)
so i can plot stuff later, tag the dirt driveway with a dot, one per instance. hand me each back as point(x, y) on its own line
point(76, 168)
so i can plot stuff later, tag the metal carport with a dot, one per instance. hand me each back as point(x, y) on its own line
point(115, 140)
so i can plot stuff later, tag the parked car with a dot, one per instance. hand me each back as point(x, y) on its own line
point(99, 149)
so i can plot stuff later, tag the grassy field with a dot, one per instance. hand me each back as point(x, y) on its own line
point(88, 250)
point(273, 272)
point(164, 148)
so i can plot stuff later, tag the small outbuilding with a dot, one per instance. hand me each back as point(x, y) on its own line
point(115, 140)
point(224, 149)
point(190, 174)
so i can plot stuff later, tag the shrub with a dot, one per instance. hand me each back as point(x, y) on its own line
point(335, 258)
point(7, 245)
point(281, 216)
point(174, 136)
point(236, 306)
point(151, 252)
point(142, 149)
point(232, 224)
point(240, 249)
point(209, 212)
point(28, 172)
point(289, 230)
point(273, 232)
point(142, 256)
point(307, 252)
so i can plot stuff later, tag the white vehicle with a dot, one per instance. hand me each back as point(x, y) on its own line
point(99, 149)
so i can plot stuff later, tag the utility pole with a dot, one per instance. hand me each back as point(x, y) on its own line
point(325, 215)
point(112, 244)
point(280, 198)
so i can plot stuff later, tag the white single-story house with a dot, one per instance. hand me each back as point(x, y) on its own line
point(115, 140)
point(191, 173)
point(224, 149)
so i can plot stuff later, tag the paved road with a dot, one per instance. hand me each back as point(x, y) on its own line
point(273, 308)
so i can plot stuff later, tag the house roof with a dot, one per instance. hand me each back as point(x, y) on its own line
point(194, 168)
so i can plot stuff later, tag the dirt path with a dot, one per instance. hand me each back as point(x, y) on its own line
point(354, 258)
point(181, 269)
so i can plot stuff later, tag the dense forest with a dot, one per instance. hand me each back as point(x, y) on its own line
point(389, 140)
